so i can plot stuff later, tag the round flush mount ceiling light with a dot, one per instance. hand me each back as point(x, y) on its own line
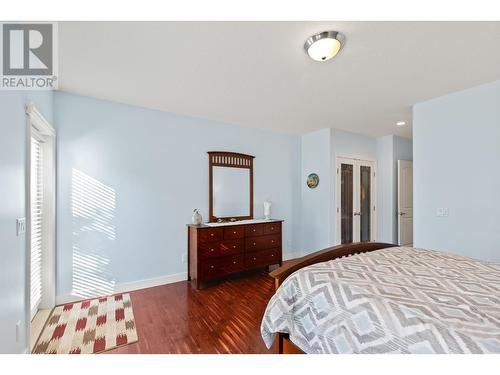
point(400, 123)
point(325, 45)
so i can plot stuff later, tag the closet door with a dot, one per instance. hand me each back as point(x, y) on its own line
point(364, 214)
point(346, 191)
point(355, 200)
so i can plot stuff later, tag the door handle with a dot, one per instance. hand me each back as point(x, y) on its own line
point(401, 213)
point(357, 213)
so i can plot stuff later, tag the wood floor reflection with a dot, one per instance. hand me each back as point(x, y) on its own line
point(224, 317)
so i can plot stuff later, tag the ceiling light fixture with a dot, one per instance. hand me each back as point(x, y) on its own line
point(400, 123)
point(325, 45)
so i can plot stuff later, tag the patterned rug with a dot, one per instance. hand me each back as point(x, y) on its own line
point(90, 326)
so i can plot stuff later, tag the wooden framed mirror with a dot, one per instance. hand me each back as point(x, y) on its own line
point(230, 186)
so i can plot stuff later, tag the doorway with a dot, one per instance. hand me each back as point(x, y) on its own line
point(355, 200)
point(405, 203)
point(41, 221)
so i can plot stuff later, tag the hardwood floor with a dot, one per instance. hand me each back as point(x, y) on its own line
point(224, 317)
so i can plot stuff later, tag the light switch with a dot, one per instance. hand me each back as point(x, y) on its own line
point(20, 226)
point(442, 212)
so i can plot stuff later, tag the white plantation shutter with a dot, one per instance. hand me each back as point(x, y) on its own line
point(36, 224)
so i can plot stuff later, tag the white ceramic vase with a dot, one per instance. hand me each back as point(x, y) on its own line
point(267, 210)
point(196, 219)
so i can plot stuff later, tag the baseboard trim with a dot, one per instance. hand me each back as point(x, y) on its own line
point(146, 283)
point(127, 287)
point(294, 255)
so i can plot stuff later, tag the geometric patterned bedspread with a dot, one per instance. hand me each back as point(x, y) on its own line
point(395, 300)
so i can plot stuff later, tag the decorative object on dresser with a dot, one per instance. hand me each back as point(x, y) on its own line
point(267, 210)
point(232, 241)
point(216, 251)
point(196, 219)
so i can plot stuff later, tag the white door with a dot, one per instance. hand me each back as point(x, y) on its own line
point(405, 202)
point(356, 219)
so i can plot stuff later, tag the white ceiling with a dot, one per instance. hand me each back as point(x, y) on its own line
point(256, 74)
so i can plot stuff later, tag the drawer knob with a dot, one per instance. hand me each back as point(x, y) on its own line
point(254, 244)
point(272, 255)
point(254, 230)
point(234, 262)
point(234, 232)
point(212, 250)
point(234, 246)
point(211, 234)
point(272, 228)
point(254, 258)
point(211, 266)
point(272, 241)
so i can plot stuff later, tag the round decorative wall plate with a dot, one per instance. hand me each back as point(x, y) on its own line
point(312, 180)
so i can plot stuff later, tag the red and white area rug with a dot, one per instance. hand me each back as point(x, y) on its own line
point(90, 326)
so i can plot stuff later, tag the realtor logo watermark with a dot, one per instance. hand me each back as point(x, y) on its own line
point(28, 56)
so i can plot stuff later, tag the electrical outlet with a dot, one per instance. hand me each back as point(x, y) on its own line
point(183, 258)
point(20, 226)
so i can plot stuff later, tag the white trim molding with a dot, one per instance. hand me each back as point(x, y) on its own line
point(37, 120)
point(127, 287)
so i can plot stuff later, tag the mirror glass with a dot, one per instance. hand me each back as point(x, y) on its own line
point(231, 192)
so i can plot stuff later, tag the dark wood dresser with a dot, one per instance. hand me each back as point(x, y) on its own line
point(218, 251)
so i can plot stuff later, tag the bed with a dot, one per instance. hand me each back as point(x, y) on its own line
point(380, 298)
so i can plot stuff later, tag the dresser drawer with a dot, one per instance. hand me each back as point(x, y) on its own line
point(234, 232)
point(229, 247)
point(272, 228)
point(254, 230)
point(221, 248)
point(262, 242)
point(210, 234)
point(262, 258)
point(217, 267)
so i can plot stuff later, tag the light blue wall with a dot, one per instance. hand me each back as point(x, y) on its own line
point(346, 143)
point(315, 203)
point(12, 205)
point(319, 152)
point(390, 149)
point(129, 178)
point(456, 166)
point(385, 188)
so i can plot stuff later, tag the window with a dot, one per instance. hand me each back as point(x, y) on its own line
point(40, 196)
point(36, 222)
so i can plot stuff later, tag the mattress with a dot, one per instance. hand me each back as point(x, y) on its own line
point(394, 300)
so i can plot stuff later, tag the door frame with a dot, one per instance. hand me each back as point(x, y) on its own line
point(373, 188)
point(35, 122)
point(400, 163)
